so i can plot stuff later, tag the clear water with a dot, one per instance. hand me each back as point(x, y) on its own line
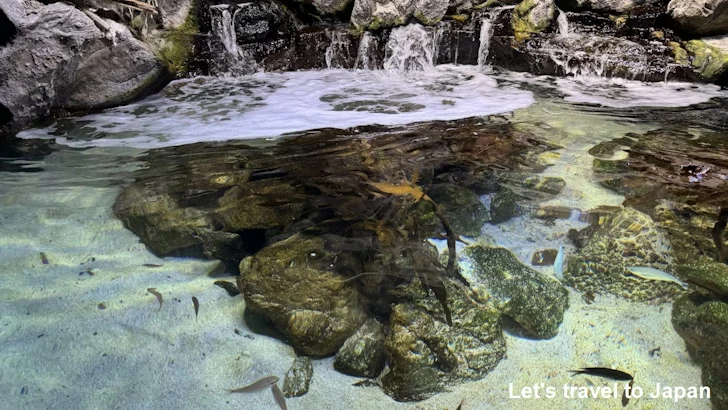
point(63, 252)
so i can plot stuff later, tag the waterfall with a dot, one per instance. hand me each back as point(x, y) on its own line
point(363, 57)
point(337, 50)
point(563, 22)
point(234, 61)
point(410, 48)
point(486, 31)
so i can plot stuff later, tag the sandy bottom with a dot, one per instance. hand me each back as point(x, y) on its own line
point(59, 350)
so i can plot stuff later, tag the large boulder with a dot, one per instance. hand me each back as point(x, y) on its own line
point(60, 60)
point(377, 14)
point(534, 300)
point(700, 17)
point(297, 285)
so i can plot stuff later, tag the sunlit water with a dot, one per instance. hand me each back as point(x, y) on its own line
point(58, 349)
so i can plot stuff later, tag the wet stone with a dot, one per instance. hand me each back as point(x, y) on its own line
point(461, 207)
point(363, 353)
point(703, 324)
point(425, 354)
point(534, 300)
point(503, 206)
point(295, 285)
point(298, 377)
point(545, 257)
point(630, 238)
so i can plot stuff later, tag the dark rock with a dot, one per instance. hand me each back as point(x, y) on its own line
point(295, 285)
point(461, 207)
point(425, 353)
point(703, 324)
point(604, 6)
point(298, 377)
point(503, 206)
point(7, 31)
point(545, 257)
point(363, 353)
point(527, 296)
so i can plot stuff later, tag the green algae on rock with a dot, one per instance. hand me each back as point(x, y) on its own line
point(534, 300)
point(461, 207)
point(630, 238)
point(503, 206)
point(709, 61)
point(298, 377)
point(703, 324)
point(532, 16)
point(294, 284)
point(424, 353)
point(363, 353)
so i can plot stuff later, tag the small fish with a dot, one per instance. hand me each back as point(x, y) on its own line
point(257, 385)
point(152, 265)
point(460, 407)
point(278, 395)
point(197, 305)
point(646, 272)
point(559, 263)
point(604, 372)
point(43, 258)
point(154, 292)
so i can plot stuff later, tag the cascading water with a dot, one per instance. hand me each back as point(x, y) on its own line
point(338, 50)
point(236, 61)
point(364, 59)
point(410, 48)
point(486, 32)
point(563, 22)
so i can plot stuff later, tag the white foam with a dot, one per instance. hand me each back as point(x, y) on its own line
point(271, 104)
point(622, 93)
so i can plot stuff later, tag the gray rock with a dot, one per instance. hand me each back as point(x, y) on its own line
point(534, 300)
point(363, 353)
point(298, 377)
point(425, 353)
point(532, 16)
point(59, 59)
point(377, 14)
point(700, 17)
point(294, 285)
point(430, 12)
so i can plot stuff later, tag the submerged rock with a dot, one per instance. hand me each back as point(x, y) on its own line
point(363, 354)
point(461, 207)
point(703, 324)
point(503, 206)
point(424, 353)
point(298, 377)
point(631, 238)
point(700, 17)
point(60, 60)
point(534, 300)
point(295, 284)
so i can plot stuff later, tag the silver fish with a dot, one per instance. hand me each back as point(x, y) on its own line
point(278, 395)
point(649, 273)
point(559, 263)
point(257, 385)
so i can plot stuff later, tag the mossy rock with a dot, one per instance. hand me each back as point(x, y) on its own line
point(298, 285)
point(461, 207)
point(703, 324)
point(425, 354)
point(503, 206)
point(534, 300)
point(629, 238)
point(178, 48)
point(532, 16)
point(533, 182)
point(363, 353)
point(710, 62)
point(298, 377)
point(707, 274)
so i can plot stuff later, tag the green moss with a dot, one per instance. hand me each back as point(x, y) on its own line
point(460, 18)
point(179, 45)
point(710, 62)
point(376, 24)
point(679, 53)
point(522, 22)
point(424, 20)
